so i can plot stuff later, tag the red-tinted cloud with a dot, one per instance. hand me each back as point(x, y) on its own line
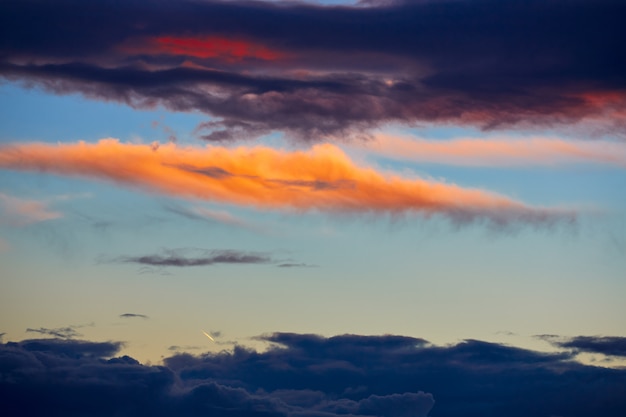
point(214, 47)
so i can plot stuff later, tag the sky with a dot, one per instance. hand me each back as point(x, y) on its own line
point(380, 208)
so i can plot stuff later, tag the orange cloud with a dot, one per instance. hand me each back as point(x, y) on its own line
point(322, 178)
point(499, 151)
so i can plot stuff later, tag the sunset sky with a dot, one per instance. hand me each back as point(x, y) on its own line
point(426, 182)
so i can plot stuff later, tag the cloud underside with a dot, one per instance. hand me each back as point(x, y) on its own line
point(322, 179)
point(317, 72)
point(307, 375)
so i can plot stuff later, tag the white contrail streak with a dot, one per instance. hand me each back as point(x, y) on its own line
point(209, 336)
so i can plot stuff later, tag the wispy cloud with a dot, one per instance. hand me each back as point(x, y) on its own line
point(197, 257)
point(322, 178)
point(202, 213)
point(498, 151)
point(21, 212)
point(133, 315)
point(60, 332)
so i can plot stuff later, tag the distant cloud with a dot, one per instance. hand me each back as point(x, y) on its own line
point(4, 245)
point(606, 345)
point(199, 257)
point(309, 375)
point(323, 178)
point(18, 212)
point(133, 315)
point(295, 265)
point(60, 332)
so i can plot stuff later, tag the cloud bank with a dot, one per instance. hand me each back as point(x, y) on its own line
point(319, 71)
point(309, 375)
point(322, 179)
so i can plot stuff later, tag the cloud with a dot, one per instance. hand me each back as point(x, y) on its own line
point(317, 71)
point(60, 332)
point(498, 152)
point(133, 315)
point(606, 345)
point(308, 375)
point(5, 246)
point(22, 212)
point(322, 178)
point(177, 258)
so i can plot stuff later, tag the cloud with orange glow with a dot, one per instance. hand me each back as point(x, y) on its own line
point(323, 178)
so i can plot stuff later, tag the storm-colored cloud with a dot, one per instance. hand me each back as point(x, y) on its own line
point(133, 315)
point(323, 178)
point(318, 71)
point(307, 375)
point(606, 345)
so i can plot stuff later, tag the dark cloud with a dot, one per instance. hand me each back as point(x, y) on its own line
point(316, 71)
point(178, 258)
point(189, 257)
point(133, 315)
point(295, 265)
point(61, 332)
point(606, 345)
point(308, 375)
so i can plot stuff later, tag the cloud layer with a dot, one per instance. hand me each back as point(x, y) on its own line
point(309, 376)
point(323, 179)
point(318, 71)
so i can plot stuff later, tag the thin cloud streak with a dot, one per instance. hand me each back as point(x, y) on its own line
point(133, 315)
point(496, 152)
point(212, 258)
point(323, 178)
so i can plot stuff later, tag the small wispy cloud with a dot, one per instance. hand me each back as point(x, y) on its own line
point(133, 315)
point(19, 212)
point(205, 214)
point(196, 257)
point(60, 332)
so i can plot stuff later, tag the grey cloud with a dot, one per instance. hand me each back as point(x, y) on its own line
point(133, 315)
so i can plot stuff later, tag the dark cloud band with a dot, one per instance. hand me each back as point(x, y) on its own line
point(308, 375)
point(318, 71)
